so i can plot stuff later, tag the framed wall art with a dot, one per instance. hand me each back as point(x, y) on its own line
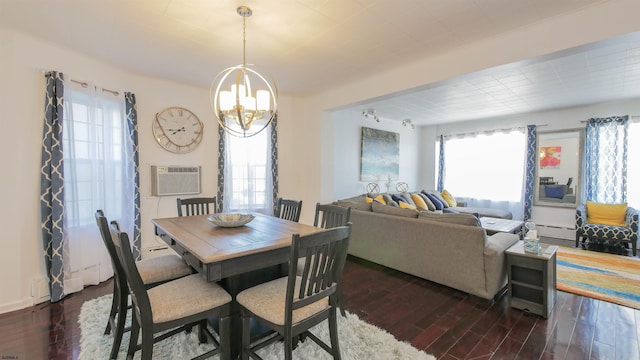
point(380, 155)
point(550, 157)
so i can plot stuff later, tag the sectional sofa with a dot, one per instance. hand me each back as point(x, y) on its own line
point(451, 249)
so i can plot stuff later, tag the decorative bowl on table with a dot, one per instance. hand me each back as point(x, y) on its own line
point(230, 220)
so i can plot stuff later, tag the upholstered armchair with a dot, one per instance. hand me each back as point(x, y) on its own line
point(626, 234)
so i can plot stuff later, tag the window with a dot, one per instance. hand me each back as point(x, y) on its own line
point(248, 168)
point(97, 175)
point(487, 169)
point(486, 166)
point(94, 137)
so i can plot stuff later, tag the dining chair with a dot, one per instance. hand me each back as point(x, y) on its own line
point(293, 304)
point(329, 216)
point(172, 307)
point(196, 206)
point(288, 209)
point(153, 271)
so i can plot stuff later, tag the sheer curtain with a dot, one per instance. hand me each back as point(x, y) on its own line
point(487, 170)
point(248, 177)
point(96, 176)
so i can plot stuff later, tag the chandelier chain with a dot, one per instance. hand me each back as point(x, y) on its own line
point(244, 41)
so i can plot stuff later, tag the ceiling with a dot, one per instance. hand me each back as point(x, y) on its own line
point(313, 45)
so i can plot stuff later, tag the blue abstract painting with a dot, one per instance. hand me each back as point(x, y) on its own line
point(380, 155)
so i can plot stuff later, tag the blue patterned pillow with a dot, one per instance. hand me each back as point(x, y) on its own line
point(398, 198)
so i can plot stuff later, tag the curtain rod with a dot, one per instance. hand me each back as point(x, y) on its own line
point(84, 85)
point(490, 131)
point(631, 117)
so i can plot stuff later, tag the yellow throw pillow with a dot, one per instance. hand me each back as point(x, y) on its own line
point(368, 199)
point(380, 199)
point(404, 205)
point(606, 214)
point(419, 202)
point(449, 198)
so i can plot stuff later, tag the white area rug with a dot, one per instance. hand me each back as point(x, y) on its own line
point(358, 340)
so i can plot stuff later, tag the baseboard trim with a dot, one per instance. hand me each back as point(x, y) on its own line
point(18, 305)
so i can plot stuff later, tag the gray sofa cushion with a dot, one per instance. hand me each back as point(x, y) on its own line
point(461, 219)
point(484, 212)
point(389, 201)
point(393, 210)
point(356, 202)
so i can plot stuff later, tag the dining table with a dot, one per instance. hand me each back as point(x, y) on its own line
point(235, 257)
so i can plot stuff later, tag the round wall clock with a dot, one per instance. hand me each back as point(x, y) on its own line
point(177, 129)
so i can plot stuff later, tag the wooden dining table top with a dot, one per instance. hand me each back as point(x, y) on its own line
point(210, 243)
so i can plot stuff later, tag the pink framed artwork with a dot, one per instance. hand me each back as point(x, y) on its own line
point(550, 157)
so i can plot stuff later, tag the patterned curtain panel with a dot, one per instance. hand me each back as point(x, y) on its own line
point(221, 169)
point(530, 170)
point(131, 112)
point(52, 184)
point(441, 169)
point(606, 159)
point(274, 162)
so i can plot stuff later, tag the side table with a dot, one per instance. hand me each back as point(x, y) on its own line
point(532, 278)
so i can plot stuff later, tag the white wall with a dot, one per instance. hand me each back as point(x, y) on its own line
point(22, 96)
point(346, 153)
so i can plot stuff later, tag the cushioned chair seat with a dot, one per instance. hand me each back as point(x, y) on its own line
point(606, 231)
point(162, 268)
point(268, 302)
point(168, 300)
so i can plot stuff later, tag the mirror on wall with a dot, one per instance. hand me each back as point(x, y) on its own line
point(558, 168)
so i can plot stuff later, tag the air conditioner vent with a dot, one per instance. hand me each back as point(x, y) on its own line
point(175, 180)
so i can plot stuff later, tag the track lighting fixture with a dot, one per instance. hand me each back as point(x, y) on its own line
point(407, 122)
point(370, 113)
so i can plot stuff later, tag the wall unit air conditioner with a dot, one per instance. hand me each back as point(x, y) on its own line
point(175, 180)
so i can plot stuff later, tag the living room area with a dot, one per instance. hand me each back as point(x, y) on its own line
point(563, 332)
point(419, 151)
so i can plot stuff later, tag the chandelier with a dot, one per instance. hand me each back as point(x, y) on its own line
point(244, 101)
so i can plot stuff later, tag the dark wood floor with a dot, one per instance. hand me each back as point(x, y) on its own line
point(444, 322)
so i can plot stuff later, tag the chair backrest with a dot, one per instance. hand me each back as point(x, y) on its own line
point(289, 209)
point(133, 279)
point(330, 216)
point(324, 255)
point(118, 269)
point(196, 206)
